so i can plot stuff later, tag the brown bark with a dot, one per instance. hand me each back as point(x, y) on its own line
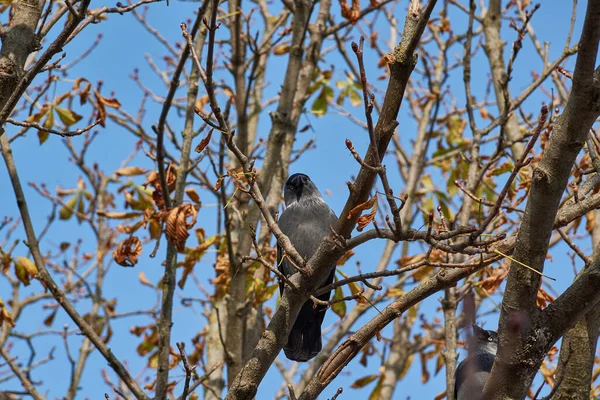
point(526, 333)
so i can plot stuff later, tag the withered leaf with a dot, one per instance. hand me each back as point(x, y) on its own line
point(144, 280)
point(192, 194)
point(130, 171)
point(543, 298)
point(366, 219)
point(5, 315)
point(204, 142)
point(177, 224)
point(127, 252)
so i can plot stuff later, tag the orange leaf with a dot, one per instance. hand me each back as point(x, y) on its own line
point(366, 219)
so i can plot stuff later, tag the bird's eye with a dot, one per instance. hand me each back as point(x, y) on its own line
point(490, 339)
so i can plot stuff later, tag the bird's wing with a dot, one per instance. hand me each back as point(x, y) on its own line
point(306, 229)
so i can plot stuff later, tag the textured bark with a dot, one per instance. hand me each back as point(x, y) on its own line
point(215, 354)
point(17, 44)
point(494, 49)
point(526, 333)
point(578, 349)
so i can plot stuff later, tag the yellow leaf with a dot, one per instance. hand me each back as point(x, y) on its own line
point(68, 117)
point(340, 307)
point(29, 265)
point(364, 381)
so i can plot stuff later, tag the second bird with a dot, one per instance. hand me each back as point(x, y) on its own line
point(305, 222)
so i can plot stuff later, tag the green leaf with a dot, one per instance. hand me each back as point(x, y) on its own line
point(267, 293)
point(43, 136)
point(319, 107)
point(355, 98)
point(68, 117)
point(340, 307)
point(21, 273)
point(66, 211)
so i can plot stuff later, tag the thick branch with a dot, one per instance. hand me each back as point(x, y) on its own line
point(518, 360)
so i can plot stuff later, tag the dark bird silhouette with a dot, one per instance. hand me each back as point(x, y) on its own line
point(305, 221)
point(473, 372)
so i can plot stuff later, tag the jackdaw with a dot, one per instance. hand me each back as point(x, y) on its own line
point(473, 372)
point(305, 221)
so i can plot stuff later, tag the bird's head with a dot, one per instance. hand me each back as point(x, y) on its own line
point(486, 341)
point(299, 188)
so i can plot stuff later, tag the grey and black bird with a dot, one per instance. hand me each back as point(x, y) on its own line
point(306, 221)
point(473, 372)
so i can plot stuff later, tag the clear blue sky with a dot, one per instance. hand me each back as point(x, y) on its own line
point(121, 50)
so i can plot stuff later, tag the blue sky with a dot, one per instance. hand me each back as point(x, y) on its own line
point(122, 50)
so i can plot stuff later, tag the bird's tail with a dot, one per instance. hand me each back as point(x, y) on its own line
point(304, 341)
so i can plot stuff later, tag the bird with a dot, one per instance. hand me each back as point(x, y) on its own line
point(306, 221)
point(473, 372)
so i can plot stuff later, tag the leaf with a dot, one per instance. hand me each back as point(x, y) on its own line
point(502, 169)
point(543, 298)
point(177, 224)
point(50, 318)
point(266, 293)
point(5, 315)
point(366, 219)
point(204, 142)
point(340, 307)
point(192, 194)
point(66, 211)
point(343, 259)
point(319, 107)
point(25, 270)
point(68, 117)
point(376, 393)
point(43, 136)
point(153, 361)
point(364, 381)
point(49, 122)
point(281, 49)
point(130, 171)
point(355, 97)
point(127, 252)
point(144, 280)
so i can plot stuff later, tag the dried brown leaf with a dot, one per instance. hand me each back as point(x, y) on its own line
point(192, 194)
point(177, 224)
point(127, 252)
point(204, 142)
point(366, 219)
